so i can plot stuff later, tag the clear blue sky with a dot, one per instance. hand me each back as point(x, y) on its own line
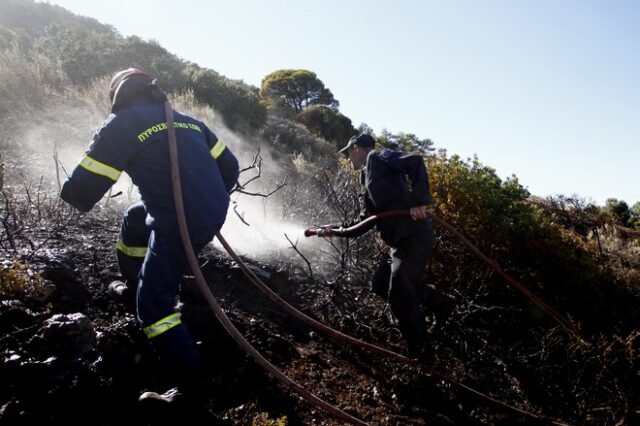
point(546, 90)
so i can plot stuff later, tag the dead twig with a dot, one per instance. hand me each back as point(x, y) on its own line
point(39, 202)
point(259, 194)
point(56, 161)
point(255, 164)
point(240, 215)
point(13, 334)
point(241, 187)
point(60, 226)
point(5, 220)
point(1, 173)
point(295, 247)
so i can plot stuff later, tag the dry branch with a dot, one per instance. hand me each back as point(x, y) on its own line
point(295, 247)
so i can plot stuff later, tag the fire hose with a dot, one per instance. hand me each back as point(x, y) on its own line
point(336, 335)
point(368, 222)
point(341, 337)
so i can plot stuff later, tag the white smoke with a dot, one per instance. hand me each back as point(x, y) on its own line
point(264, 236)
point(59, 134)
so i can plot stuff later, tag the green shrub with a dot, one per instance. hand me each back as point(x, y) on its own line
point(18, 281)
point(555, 263)
point(263, 419)
point(288, 137)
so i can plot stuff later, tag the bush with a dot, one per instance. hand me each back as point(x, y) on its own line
point(263, 419)
point(287, 137)
point(618, 211)
point(500, 218)
point(327, 123)
point(27, 80)
point(237, 102)
point(18, 281)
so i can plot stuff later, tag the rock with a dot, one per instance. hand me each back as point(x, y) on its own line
point(15, 316)
point(71, 334)
point(70, 291)
point(46, 292)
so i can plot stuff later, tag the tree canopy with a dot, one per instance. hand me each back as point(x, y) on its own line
point(78, 51)
point(618, 210)
point(239, 105)
point(408, 142)
point(293, 90)
point(327, 123)
point(635, 215)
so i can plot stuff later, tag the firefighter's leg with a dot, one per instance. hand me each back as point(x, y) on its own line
point(381, 277)
point(409, 260)
point(433, 299)
point(160, 277)
point(131, 249)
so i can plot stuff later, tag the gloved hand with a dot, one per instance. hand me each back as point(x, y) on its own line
point(419, 212)
point(326, 231)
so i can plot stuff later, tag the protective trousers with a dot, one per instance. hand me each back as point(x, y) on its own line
point(398, 279)
point(154, 262)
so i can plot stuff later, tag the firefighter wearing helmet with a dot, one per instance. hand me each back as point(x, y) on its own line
point(134, 139)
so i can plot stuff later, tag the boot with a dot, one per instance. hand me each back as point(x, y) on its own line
point(117, 289)
point(120, 291)
point(169, 397)
point(192, 392)
point(176, 403)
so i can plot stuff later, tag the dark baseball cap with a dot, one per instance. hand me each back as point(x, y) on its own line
point(363, 139)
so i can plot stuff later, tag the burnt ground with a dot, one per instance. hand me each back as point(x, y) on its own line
point(90, 366)
point(72, 355)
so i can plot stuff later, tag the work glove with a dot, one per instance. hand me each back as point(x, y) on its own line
point(419, 212)
point(327, 230)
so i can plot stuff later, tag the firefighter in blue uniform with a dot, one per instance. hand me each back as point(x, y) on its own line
point(149, 249)
point(398, 276)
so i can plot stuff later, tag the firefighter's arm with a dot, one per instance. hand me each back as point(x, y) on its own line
point(229, 169)
point(227, 162)
point(81, 193)
point(413, 166)
point(96, 172)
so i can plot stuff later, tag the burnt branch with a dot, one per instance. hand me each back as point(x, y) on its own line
point(257, 161)
point(56, 161)
point(5, 220)
point(259, 194)
point(1, 173)
point(257, 165)
point(295, 247)
point(55, 233)
point(240, 215)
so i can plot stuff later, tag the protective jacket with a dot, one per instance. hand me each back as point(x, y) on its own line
point(134, 140)
point(384, 178)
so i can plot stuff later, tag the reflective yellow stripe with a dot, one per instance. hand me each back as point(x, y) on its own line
point(131, 251)
point(159, 327)
point(217, 150)
point(99, 168)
